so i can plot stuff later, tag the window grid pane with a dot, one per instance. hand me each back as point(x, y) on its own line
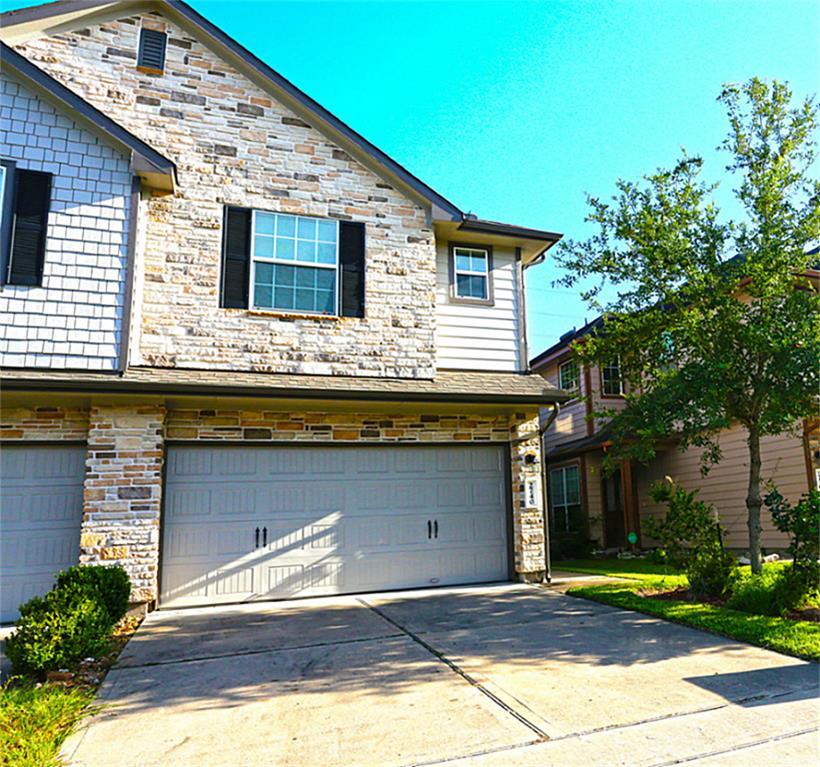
point(568, 375)
point(297, 241)
point(611, 378)
point(470, 271)
point(565, 499)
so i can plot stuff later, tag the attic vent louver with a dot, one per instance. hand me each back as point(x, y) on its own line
point(151, 53)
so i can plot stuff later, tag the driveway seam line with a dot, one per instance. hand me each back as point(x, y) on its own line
point(542, 736)
point(243, 653)
point(475, 754)
point(738, 749)
point(678, 715)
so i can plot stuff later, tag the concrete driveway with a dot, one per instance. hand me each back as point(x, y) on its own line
point(503, 676)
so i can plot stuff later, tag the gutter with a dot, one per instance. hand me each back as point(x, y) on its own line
point(117, 384)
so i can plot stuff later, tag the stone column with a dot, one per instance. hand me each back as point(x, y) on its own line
point(123, 493)
point(528, 506)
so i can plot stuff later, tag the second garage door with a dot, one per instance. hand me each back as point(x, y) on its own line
point(41, 511)
point(244, 523)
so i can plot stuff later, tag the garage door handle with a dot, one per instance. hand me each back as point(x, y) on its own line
point(264, 536)
point(435, 529)
point(429, 529)
point(257, 538)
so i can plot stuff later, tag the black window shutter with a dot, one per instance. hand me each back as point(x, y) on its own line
point(351, 271)
point(28, 245)
point(151, 52)
point(236, 258)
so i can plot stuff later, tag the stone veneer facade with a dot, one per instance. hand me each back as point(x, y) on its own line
point(122, 497)
point(234, 145)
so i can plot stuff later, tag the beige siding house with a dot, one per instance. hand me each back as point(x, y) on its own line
point(294, 404)
point(586, 505)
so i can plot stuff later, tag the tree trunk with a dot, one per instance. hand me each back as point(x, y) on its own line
point(753, 500)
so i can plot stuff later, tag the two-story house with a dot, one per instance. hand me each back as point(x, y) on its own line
point(245, 354)
point(587, 505)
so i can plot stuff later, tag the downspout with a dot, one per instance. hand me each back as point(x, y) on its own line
point(556, 408)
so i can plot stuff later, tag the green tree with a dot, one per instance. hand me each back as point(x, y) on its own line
point(714, 322)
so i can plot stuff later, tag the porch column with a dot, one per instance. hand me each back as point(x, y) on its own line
point(528, 506)
point(123, 493)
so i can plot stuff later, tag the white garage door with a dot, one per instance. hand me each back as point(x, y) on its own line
point(41, 510)
point(246, 523)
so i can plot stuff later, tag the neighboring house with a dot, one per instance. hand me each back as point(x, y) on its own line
point(247, 354)
point(586, 505)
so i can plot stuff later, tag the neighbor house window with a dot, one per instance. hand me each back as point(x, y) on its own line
point(294, 260)
point(471, 268)
point(611, 380)
point(565, 499)
point(568, 376)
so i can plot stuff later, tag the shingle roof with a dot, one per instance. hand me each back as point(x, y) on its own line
point(145, 160)
point(448, 385)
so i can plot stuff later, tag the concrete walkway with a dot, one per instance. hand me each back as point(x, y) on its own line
point(504, 676)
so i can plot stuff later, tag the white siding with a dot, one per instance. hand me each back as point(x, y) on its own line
point(476, 337)
point(74, 320)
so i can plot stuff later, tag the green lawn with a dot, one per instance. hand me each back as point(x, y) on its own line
point(798, 638)
point(34, 721)
point(637, 569)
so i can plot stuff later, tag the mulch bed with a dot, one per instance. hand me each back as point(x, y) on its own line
point(683, 594)
point(680, 594)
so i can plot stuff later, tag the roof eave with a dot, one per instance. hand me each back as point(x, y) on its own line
point(116, 385)
point(156, 170)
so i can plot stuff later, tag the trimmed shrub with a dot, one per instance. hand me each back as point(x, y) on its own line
point(108, 585)
point(57, 631)
point(754, 593)
point(802, 524)
point(688, 524)
point(73, 621)
point(776, 591)
point(710, 569)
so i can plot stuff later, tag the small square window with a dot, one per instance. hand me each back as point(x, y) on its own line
point(471, 269)
point(151, 51)
point(568, 377)
point(611, 381)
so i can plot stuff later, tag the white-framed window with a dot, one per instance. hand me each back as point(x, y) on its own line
point(471, 273)
point(294, 263)
point(565, 499)
point(569, 376)
point(611, 381)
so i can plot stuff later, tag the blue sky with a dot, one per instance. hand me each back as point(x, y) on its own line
point(514, 110)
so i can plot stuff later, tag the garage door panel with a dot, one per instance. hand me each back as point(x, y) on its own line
point(487, 492)
point(285, 462)
point(285, 537)
point(284, 580)
point(488, 528)
point(235, 463)
point(334, 520)
point(414, 460)
point(52, 553)
point(235, 582)
point(188, 502)
point(41, 508)
point(196, 462)
point(452, 493)
point(486, 460)
point(452, 460)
